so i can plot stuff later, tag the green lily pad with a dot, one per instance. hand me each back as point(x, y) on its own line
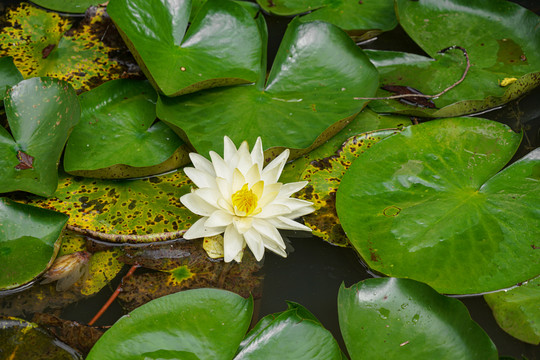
point(510, 49)
point(517, 310)
point(41, 113)
point(316, 73)
point(221, 47)
point(143, 210)
point(68, 6)
point(367, 17)
point(117, 136)
point(427, 204)
point(9, 74)
point(23, 340)
point(44, 44)
point(29, 242)
point(482, 90)
point(389, 318)
point(324, 176)
point(193, 324)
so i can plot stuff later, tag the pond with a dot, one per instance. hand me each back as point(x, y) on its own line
point(314, 270)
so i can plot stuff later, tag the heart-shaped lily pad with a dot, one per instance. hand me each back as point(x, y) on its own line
point(509, 50)
point(9, 74)
point(221, 47)
point(316, 73)
point(367, 17)
point(517, 310)
point(389, 318)
point(41, 113)
point(69, 6)
point(193, 324)
point(427, 204)
point(29, 241)
point(117, 136)
point(142, 210)
point(44, 44)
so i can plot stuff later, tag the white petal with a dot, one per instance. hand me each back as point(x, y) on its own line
point(273, 210)
point(293, 204)
point(224, 187)
point(233, 243)
point(290, 188)
point(300, 212)
point(257, 153)
point(273, 170)
point(200, 178)
point(222, 169)
point(238, 181)
point(210, 195)
point(253, 175)
point(242, 224)
point(198, 230)
point(229, 149)
point(202, 163)
point(270, 245)
point(226, 205)
point(219, 218)
point(268, 231)
point(255, 243)
point(270, 193)
point(244, 161)
point(197, 205)
point(284, 223)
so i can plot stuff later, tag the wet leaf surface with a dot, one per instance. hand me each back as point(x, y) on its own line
point(390, 318)
point(22, 340)
point(41, 112)
point(85, 55)
point(517, 310)
point(430, 197)
point(184, 265)
point(324, 176)
point(77, 336)
point(118, 137)
point(9, 75)
point(68, 6)
point(142, 210)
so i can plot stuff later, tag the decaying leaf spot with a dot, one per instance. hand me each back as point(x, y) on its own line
point(391, 211)
point(180, 274)
point(507, 81)
point(25, 161)
point(47, 51)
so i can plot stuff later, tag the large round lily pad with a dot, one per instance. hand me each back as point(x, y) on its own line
point(193, 324)
point(316, 73)
point(389, 318)
point(41, 113)
point(428, 204)
point(117, 136)
point(221, 47)
point(29, 242)
point(517, 310)
point(501, 38)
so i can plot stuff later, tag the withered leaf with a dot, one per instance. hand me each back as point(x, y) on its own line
point(413, 100)
point(47, 50)
point(25, 161)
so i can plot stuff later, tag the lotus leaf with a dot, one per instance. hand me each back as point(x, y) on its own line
point(428, 204)
point(316, 73)
point(41, 113)
point(221, 47)
point(517, 310)
point(390, 318)
point(117, 136)
point(29, 242)
point(44, 44)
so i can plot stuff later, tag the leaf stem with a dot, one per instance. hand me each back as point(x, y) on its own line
point(429, 96)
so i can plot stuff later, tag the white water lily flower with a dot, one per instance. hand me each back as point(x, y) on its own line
point(243, 200)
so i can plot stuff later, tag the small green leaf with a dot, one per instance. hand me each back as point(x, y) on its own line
point(29, 242)
point(193, 324)
point(41, 113)
point(68, 6)
point(427, 204)
point(316, 73)
point(389, 318)
point(517, 310)
point(23, 340)
point(9, 74)
point(221, 47)
point(117, 136)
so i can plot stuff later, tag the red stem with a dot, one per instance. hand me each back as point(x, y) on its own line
point(113, 296)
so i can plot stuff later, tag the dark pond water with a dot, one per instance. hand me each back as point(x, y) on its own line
point(313, 273)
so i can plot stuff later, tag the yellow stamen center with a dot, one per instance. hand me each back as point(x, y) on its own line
point(245, 201)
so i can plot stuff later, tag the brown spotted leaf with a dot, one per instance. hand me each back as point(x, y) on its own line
point(25, 161)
